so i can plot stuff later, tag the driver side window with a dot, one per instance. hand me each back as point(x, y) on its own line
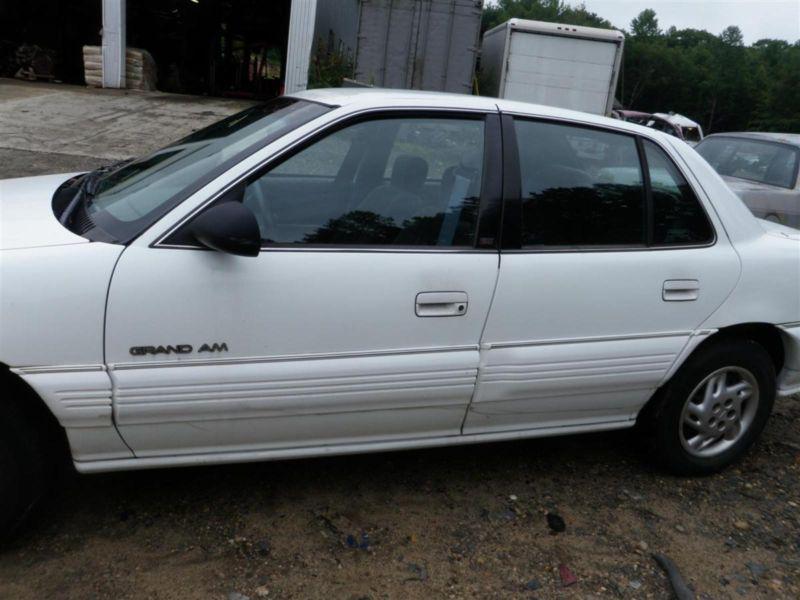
point(388, 182)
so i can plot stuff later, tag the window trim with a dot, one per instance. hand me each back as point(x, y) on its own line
point(512, 193)
point(651, 221)
point(490, 195)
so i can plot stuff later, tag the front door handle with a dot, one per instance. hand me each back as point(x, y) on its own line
point(680, 290)
point(441, 304)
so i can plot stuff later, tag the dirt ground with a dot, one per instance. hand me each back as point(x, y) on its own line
point(466, 522)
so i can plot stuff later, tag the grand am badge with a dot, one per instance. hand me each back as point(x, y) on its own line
point(177, 349)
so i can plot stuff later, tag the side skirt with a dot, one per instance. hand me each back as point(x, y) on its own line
point(129, 464)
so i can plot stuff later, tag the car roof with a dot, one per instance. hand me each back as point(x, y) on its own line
point(677, 119)
point(366, 96)
point(786, 138)
point(634, 113)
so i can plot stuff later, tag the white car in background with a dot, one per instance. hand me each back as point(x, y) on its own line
point(359, 270)
point(678, 125)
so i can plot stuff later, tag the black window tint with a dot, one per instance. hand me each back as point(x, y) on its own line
point(580, 186)
point(678, 218)
point(394, 181)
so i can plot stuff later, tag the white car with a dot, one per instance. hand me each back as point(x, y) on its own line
point(359, 270)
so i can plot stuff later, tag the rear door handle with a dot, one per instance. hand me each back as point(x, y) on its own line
point(680, 290)
point(441, 304)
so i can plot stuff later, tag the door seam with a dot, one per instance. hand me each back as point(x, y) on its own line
point(111, 379)
point(481, 350)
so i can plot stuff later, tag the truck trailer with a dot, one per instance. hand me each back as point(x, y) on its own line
point(554, 64)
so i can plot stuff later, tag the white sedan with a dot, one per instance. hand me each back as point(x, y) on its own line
point(358, 270)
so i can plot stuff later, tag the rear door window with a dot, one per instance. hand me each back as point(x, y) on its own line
point(583, 187)
point(580, 186)
point(678, 217)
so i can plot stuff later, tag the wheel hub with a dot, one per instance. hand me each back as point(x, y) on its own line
point(719, 411)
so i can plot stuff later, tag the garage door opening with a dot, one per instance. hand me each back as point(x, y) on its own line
point(45, 37)
point(233, 48)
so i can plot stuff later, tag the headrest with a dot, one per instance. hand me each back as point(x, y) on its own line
point(409, 172)
point(471, 160)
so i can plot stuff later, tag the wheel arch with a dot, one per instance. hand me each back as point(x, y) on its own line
point(767, 335)
point(36, 413)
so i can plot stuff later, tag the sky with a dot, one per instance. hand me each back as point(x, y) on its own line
point(778, 19)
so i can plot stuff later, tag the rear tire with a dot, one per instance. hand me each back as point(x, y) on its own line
point(713, 409)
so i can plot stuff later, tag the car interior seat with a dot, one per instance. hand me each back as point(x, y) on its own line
point(401, 198)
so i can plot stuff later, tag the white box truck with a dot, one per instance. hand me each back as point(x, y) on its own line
point(549, 63)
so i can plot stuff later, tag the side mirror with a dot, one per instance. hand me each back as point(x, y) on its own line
point(228, 227)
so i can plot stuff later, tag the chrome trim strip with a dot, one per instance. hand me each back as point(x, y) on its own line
point(609, 338)
point(58, 369)
point(298, 142)
point(192, 362)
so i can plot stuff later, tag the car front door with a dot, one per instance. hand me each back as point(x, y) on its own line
point(610, 264)
point(358, 322)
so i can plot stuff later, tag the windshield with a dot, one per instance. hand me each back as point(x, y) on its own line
point(772, 163)
point(129, 199)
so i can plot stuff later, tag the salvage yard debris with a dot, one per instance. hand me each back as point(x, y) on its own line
point(679, 587)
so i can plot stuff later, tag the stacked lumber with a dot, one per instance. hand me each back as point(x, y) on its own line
point(140, 68)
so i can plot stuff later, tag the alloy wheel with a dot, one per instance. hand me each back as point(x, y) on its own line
point(719, 411)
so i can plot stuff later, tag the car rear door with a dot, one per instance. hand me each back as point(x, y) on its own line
point(610, 263)
point(358, 323)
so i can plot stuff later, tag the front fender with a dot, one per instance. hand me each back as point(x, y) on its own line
point(52, 310)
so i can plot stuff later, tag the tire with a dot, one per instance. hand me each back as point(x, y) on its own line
point(10, 500)
point(727, 389)
point(22, 470)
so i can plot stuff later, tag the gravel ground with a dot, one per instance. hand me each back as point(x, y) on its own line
point(466, 522)
point(462, 522)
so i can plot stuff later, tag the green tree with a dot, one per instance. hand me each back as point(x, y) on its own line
point(552, 11)
point(732, 36)
point(646, 24)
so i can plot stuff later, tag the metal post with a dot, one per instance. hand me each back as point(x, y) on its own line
point(114, 43)
point(301, 39)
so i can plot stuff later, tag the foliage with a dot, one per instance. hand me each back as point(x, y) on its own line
point(646, 24)
point(555, 11)
point(714, 79)
point(328, 68)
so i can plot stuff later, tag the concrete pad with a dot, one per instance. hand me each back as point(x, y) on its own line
point(24, 163)
point(98, 123)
